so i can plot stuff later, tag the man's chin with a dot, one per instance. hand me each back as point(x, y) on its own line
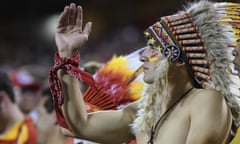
point(148, 81)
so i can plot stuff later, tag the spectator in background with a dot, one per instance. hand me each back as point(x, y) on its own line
point(91, 67)
point(15, 127)
point(28, 92)
point(28, 82)
point(48, 131)
point(34, 100)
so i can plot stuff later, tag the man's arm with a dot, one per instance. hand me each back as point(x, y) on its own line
point(103, 127)
point(210, 119)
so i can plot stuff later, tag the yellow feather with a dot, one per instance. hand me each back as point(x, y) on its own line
point(118, 65)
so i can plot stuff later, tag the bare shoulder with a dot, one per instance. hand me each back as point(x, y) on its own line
point(209, 113)
point(207, 92)
point(207, 96)
point(209, 101)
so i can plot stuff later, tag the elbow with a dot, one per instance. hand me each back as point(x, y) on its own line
point(66, 132)
point(75, 119)
point(72, 133)
point(76, 125)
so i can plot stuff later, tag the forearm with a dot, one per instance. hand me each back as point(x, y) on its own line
point(73, 106)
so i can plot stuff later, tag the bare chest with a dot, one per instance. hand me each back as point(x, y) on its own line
point(172, 128)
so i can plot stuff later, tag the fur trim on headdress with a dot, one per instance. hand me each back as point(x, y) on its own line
point(216, 41)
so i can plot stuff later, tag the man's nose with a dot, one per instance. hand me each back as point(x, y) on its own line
point(143, 57)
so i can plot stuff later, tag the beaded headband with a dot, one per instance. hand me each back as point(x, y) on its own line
point(170, 48)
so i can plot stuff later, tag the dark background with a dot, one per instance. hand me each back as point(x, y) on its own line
point(26, 35)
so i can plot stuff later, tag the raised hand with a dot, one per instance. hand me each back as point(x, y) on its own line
point(69, 33)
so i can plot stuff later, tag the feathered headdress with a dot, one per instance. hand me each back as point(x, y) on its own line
point(203, 36)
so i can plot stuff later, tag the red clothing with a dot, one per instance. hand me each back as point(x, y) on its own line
point(23, 132)
point(132, 142)
point(69, 141)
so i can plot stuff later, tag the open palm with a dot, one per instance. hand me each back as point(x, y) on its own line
point(69, 33)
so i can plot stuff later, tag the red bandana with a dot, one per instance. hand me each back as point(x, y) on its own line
point(71, 66)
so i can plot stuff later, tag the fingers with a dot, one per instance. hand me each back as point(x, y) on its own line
point(79, 17)
point(63, 19)
point(72, 14)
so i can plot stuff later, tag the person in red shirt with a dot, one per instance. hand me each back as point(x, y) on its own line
point(15, 127)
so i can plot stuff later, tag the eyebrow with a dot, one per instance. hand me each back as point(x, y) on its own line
point(141, 52)
point(142, 49)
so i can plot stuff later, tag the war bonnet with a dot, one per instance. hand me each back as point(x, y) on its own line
point(203, 36)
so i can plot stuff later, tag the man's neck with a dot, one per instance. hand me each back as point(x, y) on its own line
point(174, 92)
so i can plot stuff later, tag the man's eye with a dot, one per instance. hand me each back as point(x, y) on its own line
point(152, 48)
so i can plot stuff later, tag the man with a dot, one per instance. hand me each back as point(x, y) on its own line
point(179, 59)
point(15, 128)
point(28, 86)
point(48, 131)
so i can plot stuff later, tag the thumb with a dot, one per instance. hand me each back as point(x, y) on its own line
point(88, 28)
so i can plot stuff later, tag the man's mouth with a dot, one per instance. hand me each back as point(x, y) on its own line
point(145, 68)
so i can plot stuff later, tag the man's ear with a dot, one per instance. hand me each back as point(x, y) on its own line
point(180, 63)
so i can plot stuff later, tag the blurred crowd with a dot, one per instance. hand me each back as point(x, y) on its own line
point(120, 41)
point(27, 103)
point(33, 103)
